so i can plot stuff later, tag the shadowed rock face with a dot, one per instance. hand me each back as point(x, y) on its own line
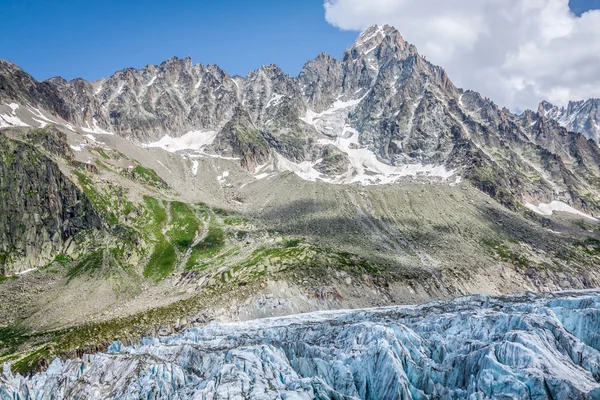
point(527, 346)
point(41, 210)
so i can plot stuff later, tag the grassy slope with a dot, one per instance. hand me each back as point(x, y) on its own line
point(392, 233)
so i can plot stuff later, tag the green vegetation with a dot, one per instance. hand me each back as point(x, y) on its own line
point(6, 278)
point(162, 262)
point(158, 212)
point(163, 259)
point(590, 246)
point(102, 202)
point(213, 242)
point(506, 254)
point(101, 152)
point(148, 176)
point(11, 337)
point(91, 262)
point(184, 225)
point(30, 362)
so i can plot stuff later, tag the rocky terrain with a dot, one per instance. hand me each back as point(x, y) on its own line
point(174, 195)
point(578, 116)
point(517, 347)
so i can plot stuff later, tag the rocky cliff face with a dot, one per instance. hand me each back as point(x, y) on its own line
point(386, 110)
point(41, 210)
point(578, 116)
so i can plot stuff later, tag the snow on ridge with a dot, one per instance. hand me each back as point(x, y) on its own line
point(548, 209)
point(361, 41)
point(151, 81)
point(193, 140)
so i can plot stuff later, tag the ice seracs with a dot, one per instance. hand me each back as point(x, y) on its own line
point(515, 347)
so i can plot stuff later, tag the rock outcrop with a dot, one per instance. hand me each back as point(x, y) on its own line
point(41, 210)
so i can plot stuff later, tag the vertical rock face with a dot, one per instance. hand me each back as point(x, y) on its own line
point(579, 116)
point(40, 208)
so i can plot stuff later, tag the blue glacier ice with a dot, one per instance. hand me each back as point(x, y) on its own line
point(528, 346)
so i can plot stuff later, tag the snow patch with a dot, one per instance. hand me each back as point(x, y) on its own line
point(151, 82)
point(194, 140)
point(95, 128)
point(548, 209)
point(163, 165)
point(274, 100)
point(195, 165)
point(10, 120)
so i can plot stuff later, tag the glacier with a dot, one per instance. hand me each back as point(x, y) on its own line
point(526, 346)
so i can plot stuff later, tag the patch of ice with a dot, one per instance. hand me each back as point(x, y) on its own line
point(95, 129)
point(311, 117)
point(274, 100)
point(10, 120)
point(121, 87)
point(548, 209)
point(41, 116)
point(26, 271)
point(364, 40)
point(151, 81)
point(370, 50)
point(42, 123)
point(13, 106)
point(194, 140)
point(163, 165)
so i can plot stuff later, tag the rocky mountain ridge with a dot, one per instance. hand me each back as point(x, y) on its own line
point(380, 113)
point(578, 116)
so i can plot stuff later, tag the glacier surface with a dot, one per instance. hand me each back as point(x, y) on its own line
point(528, 346)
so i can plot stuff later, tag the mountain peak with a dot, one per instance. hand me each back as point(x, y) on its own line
point(377, 37)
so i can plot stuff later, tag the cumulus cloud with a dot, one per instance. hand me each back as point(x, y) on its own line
point(517, 52)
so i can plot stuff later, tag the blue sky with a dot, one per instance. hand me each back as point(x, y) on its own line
point(93, 39)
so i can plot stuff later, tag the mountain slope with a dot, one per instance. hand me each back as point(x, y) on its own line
point(369, 180)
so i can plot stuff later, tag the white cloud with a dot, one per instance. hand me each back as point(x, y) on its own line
point(517, 52)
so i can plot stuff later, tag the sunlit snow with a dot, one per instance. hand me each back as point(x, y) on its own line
point(194, 140)
point(548, 209)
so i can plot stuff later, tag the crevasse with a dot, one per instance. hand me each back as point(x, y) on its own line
point(515, 347)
